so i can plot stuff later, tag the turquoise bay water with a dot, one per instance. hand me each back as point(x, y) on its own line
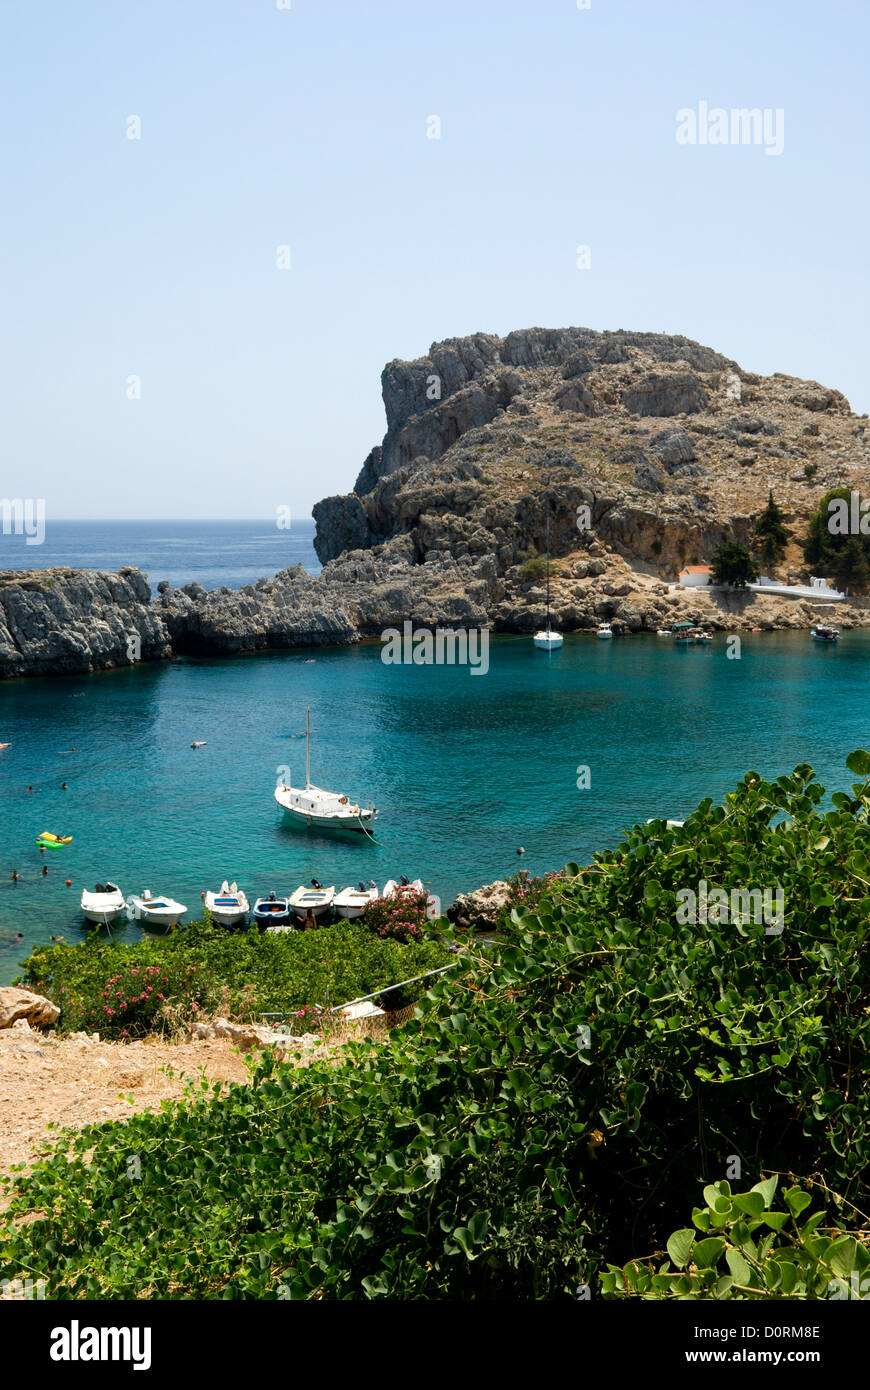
point(463, 768)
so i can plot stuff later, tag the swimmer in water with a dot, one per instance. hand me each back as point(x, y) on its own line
point(14, 875)
point(19, 936)
point(30, 789)
point(64, 787)
point(44, 870)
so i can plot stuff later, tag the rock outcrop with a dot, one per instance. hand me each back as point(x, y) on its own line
point(479, 911)
point(63, 620)
point(17, 1004)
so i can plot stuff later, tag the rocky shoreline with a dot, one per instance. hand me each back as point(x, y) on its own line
point(644, 450)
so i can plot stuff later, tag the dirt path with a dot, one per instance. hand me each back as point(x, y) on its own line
point(45, 1080)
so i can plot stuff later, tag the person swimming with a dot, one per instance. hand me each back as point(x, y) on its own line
point(64, 787)
point(44, 870)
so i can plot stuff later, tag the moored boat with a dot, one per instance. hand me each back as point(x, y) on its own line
point(352, 902)
point(312, 806)
point(547, 638)
point(105, 904)
point(315, 900)
point(605, 632)
point(229, 906)
point(156, 911)
point(823, 633)
point(272, 909)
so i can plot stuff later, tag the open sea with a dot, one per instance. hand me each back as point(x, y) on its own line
point(463, 768)
point(212, 552)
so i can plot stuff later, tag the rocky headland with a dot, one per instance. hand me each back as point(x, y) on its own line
point(645, 450)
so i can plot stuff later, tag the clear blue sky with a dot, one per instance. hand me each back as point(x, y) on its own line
point(264, 127)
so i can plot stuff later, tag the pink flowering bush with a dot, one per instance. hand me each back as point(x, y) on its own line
point(130, 1002)
point(527, 892)
point(399, 917)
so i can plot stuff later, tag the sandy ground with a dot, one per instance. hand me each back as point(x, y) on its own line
point(44, 1080)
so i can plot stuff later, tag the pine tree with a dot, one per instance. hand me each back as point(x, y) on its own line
point(732, 564)
point(773, 533)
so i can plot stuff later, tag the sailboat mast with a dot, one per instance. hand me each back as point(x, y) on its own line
point(307, 748)
point(548, 570)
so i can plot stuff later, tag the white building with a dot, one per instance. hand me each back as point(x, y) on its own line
point(695, 576)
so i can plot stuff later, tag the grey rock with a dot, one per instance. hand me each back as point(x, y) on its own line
point(676, 393)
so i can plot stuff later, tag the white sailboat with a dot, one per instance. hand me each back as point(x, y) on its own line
point(314, 806)
point(547, 639)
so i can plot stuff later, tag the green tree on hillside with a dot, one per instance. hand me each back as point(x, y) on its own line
point(732, 564)
point(838, 539)
point(772, 532)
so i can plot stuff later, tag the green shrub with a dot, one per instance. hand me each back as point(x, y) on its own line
point(532, 565)
point(741, 1247)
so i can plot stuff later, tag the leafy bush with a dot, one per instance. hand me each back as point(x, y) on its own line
point(832, 547)
point(532, 565)
point(732, 564)
point(202, 966)
point(549, 1112)
point(747, 1249)
point(134, 999)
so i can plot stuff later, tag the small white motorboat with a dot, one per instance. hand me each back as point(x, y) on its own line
point(105, 904)
point(414, 885)
point(352, 902)
point(155, 911)
point(823, 633)
point(605, 632)
point(325, 810)
point(271, 910)
point(433, 904)
point(315, 900)
point(229, 906)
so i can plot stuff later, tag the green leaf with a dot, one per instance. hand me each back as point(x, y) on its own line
point(680, 1246)
point(767, 1188)
point(859, 762)
point(740, 1267)
point(841, 1255)
point(707, 1252)
point(797, 1200)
